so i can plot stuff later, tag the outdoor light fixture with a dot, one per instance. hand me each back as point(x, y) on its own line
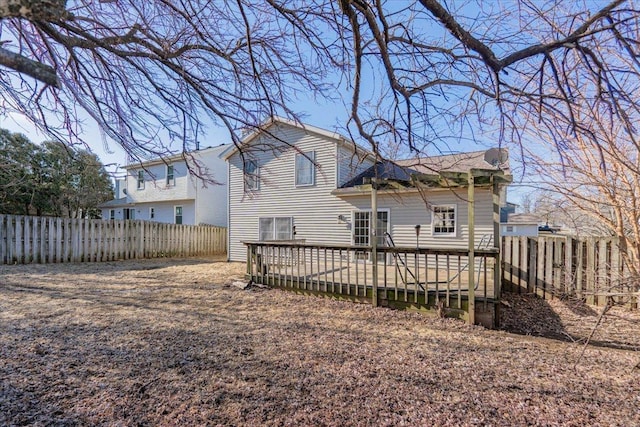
point(417, 228)
point(341, 219)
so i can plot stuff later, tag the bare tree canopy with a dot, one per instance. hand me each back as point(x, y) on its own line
point(598, 184)
point(415, 73)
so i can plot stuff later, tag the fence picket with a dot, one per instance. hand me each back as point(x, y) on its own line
point(3, 240)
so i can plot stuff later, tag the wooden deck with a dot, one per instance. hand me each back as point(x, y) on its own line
point(420, 278)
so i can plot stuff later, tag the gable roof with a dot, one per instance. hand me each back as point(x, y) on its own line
point(275, 120)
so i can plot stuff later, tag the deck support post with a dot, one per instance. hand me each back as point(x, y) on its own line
point(497, 244)
point(472, 266)
point(374, 241)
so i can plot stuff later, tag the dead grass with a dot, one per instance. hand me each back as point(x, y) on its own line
point(166, 342)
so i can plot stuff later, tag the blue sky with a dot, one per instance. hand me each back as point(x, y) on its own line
point(328, 114)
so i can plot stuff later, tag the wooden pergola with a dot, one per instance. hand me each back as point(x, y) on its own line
point(474, 178)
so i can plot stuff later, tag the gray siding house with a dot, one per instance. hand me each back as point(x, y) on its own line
point(164, 190)
point(293, 181)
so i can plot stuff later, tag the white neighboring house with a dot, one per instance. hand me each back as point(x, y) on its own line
point(293, 181)
point(163, 190)
point(522, 225)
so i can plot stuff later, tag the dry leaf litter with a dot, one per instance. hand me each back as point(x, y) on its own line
point(173, 342)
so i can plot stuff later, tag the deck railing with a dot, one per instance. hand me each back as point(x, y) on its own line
point(448, 281)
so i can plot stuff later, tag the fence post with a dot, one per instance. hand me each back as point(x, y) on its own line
point(590, 270)
point(508, 262)
point(549, 246)
point(19, 239)
point(601, 276)
point(49, 236)
point(568, 266)
point(26, 240)
point(3, 237)
point(42, 239)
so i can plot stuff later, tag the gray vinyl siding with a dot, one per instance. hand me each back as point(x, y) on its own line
point(165, 211)
point(410, 209)
point(350, 165)
point(203, 197)
point(315, 210)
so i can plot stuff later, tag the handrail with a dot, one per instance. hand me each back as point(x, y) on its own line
point(491, 252)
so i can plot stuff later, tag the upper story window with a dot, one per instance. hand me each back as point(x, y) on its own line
point(444, 220)
point(140, 180)
point(171, 177)
point(112, 214)
point(305, 168)
point(251, 175)
point(152, 213)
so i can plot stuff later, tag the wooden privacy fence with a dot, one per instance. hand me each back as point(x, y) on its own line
point(591, 269)
point(31, 239)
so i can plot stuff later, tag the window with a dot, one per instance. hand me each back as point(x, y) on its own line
point(178, 215)
point(276, 228)
point(171, 180)
point(129, 213)
point(140, 180)
point(444, 220)
point(251, 175)
point(152, 213)
point(509, 228)
point(305, 168)
point(361, 227)
point(112, 214)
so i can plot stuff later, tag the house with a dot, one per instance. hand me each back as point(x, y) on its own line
point(164, 190)
point(292, 181)
point(506, 210)
point(523, 225)
point(529, 225)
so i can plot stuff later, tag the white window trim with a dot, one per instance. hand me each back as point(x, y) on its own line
point(152, 213)
point(353, 221)
point(455, 220)
point(139, 184)
point(112, 214)
point(166, 174)
point(256, 176)
point(175, 214)
point(307, 156)
point(290, 218)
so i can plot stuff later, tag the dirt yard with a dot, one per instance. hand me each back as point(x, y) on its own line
point(169, 342)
